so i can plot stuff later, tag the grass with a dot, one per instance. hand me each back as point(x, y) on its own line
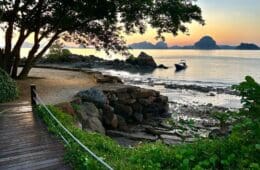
point(241, 150)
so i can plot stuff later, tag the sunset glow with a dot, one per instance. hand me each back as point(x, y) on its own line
point(228, 22)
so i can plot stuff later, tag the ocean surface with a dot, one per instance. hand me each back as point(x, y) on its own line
point(215, 68)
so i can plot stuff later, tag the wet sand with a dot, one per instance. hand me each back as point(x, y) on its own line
point(55, 86)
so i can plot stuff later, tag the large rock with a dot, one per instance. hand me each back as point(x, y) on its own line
point(109, 118)
point(93, 95)
point(122, 125)
point(87, 110)
point(91, 110)
point(146, 60)
point(123, 110)
point(94, 124)
point(108, 79)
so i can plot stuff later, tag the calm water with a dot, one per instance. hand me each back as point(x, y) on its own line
point(213, 66)
point(218, 68)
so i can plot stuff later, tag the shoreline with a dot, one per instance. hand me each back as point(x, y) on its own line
point(200, 115)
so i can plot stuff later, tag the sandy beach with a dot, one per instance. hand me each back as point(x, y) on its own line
point(55, 86)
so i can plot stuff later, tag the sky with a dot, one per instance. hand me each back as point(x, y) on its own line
point(227, 21)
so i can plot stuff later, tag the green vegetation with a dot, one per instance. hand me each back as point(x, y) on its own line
point(241, 150)
point(8, 90)
point(58, 54)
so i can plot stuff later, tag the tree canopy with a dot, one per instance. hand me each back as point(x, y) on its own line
point(99, 23)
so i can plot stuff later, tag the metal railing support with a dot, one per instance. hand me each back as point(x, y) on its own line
point(33, 95)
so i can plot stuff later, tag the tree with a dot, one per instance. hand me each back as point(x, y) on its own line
point(89, 22)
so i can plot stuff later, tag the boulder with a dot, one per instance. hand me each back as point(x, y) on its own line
point(145, 93)
point(93, 95)
point(91, 110)
point(109, 118)
point(123, 110)
point(108, 79)
point(139, 117)
point(137, 107)
point(87, 110)
point(146, 60)
point(122, 125)
point(134, 136)
point(94, 124)
point(162, 66)
point(66, 107)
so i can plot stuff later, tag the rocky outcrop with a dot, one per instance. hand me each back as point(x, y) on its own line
point(119, 106)
point(100, 78)
point(93, 95)
point(142, 63)
point(90, 117)
point(146, 60)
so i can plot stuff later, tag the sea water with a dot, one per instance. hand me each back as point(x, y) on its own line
point(215, 68)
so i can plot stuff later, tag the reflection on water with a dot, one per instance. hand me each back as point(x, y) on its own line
point(216, 68)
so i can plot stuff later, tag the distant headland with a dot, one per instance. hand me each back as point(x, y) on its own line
point(205, 43)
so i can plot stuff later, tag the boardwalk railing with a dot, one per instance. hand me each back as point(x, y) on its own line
point(36, 100)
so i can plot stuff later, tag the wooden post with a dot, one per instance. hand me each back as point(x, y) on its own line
point(33, 95)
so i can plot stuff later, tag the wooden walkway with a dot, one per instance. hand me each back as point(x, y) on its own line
point(25, 142)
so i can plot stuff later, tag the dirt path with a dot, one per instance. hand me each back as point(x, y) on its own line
point(55, 86)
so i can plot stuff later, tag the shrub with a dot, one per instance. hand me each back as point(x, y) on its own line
point(8, 89)
point(58, 54)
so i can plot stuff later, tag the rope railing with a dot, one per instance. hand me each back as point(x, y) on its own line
point(36, 99)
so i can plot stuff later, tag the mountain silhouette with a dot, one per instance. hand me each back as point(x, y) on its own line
point(206, 43)
point(247, 46)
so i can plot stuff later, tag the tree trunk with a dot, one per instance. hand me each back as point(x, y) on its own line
point(25, 71)
point(33, 58)
point(16, 52)
point(8, 58)
point(15, 65)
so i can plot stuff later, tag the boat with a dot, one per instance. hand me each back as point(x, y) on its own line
point(181, 65)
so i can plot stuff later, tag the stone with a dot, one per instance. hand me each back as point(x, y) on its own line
point(108, 79)
point(146, 60)
point(138, 117)
point(122, 125)
point(137, 107)
point(66, 108)
point(145, 93)
point(171, 137)
point(145, 102)
point(110, 119)
point(94, 124)
point(123, 110)
point(87, 110)
point(123, 96)
point(162, 66)
point(128, 101)
point(134, 136)
point(162, 99)
point(93, 95)
point(212, 94)
point(91, 110)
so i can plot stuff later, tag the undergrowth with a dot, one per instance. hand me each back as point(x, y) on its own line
point(240, 150)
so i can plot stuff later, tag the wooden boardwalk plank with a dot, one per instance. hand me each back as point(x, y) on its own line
point(25, 142)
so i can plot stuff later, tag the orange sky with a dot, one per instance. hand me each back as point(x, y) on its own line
point(227, 21)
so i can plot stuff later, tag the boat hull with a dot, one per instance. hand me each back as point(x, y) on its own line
point(180, 67)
